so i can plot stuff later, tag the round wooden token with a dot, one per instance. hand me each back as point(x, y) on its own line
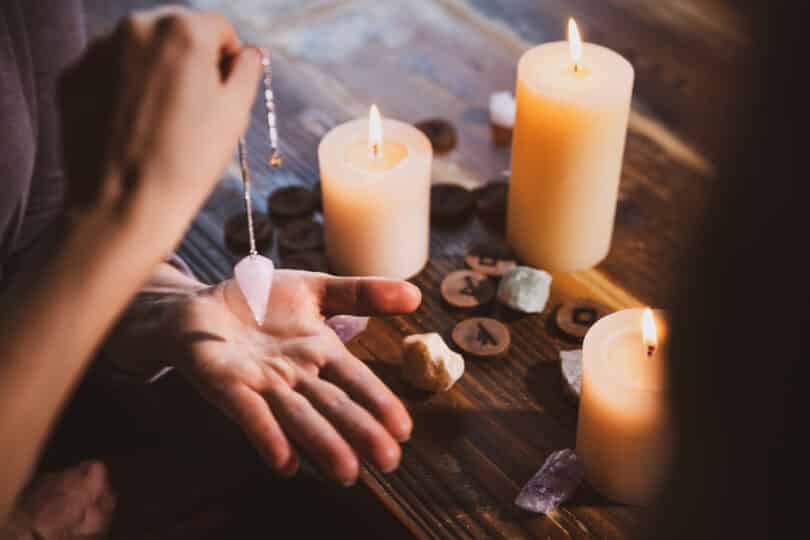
point(311, 261)
point(450, 204)
point(482, 337)
point(467, 289)
point(491, 259)
point(490, 199)
point(574, 318)
point(441, 133)
point(237, 235)
point(301, 235)
point(291, 201)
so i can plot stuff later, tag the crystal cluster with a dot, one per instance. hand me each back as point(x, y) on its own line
point(553, 484)
point(347, 326)
point(525, 289)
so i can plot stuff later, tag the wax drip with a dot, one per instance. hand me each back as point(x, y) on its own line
point(270, 104)
point(243, 163)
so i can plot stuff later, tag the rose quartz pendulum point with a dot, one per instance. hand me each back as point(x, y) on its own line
point(254, 275)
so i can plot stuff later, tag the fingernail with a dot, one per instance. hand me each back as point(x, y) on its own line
point(349, 483)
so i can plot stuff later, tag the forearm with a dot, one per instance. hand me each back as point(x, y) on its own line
point(50, 328)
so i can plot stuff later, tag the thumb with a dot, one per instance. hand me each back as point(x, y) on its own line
point(243, 79)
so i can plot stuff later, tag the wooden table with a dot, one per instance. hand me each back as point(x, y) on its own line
point(474, 446)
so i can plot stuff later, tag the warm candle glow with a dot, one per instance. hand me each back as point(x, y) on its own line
point(649, 331)
point(375, 133)
point(575, 44)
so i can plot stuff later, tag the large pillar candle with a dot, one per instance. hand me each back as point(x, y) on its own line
point(624, 434)
point(376, 197)
point(573, 104)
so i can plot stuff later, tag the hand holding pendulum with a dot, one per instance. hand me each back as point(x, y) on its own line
point(254, 273)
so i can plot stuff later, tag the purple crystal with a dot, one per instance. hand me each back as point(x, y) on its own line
point(347, 326)
point(553, 484)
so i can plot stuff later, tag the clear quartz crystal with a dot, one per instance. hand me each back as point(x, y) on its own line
point(553, 484)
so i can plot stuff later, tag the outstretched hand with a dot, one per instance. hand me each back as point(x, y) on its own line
point(292, 382)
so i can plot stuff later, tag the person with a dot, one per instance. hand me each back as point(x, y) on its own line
point(150, 116)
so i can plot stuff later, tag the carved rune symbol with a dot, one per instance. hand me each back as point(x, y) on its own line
point(484, 337)
point(584, 316)
point(470, 289)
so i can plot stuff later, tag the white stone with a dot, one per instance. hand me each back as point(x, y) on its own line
point(429, 364)
point(525, 289)
point(254, 275)
point(571, 367)
point(502, 109)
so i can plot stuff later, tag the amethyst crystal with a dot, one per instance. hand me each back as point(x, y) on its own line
point(347, 326)
point(553, 484)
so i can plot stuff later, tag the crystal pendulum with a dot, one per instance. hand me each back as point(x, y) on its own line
point(254, 273)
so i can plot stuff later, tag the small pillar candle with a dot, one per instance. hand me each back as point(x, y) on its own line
point(624, 435)
point(573, 105)
point(375, 180)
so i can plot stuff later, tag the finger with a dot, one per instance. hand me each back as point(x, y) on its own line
point(313, 434)
point(368, 296)
point(242, 79)
point(220, 27)
point(353, 376)
point(248, 409)
point(366, 435)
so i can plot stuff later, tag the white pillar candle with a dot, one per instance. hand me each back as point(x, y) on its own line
point(624, 435)
point(375, 180)
point(573, 105)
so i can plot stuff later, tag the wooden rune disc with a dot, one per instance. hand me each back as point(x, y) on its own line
point(482, 337)
point(237, 235)
point(440, 133)
point(291, 201)
point(311, 261)
point(490, 259)
point(491, 198)
point(467, 289)
point(301, 235)
point(575, 317)
point(450, 204)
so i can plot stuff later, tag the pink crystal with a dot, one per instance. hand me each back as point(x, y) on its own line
point(254, 275)
point(553, 484)
point(347, 326)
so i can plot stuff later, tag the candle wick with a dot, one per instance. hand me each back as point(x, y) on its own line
point(650, 350)
point(577, 68)
point(375, 151)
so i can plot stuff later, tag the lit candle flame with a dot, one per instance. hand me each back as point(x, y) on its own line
point(375, 133)
point(575, 44)
point(649, 332)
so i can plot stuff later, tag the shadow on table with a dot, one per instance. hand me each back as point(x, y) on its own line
point(181, 470)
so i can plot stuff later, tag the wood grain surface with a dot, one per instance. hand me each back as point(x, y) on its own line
point(474, 446)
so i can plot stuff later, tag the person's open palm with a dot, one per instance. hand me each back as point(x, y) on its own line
point(292, 381)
